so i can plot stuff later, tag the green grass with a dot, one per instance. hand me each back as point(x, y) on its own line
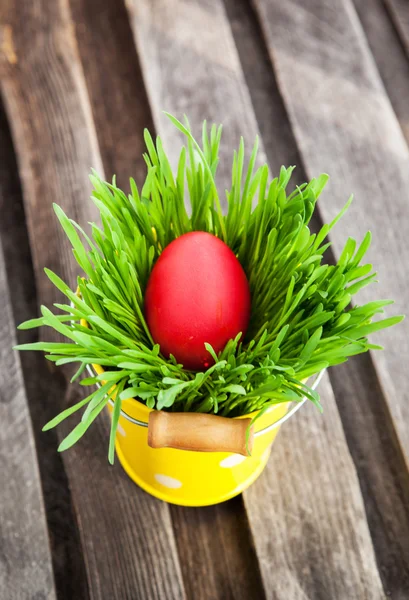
point(302, 320)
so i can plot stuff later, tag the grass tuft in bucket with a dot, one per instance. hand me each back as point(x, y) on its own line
point(189, 310)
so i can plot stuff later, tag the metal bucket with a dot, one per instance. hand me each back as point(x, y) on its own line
point(192, 478)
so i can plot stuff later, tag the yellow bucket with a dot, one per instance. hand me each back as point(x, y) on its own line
point(191, 478)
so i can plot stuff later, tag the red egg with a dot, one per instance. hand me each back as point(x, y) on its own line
point(197, 292)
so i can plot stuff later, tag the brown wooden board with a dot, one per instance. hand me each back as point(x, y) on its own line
point(380, 467)
point(267, 104)
point(344, 125)
point(161, 47)
point(126, 536)
point(25, 559)
point(216, 552)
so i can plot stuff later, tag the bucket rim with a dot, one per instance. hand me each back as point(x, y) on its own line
point(100, 370)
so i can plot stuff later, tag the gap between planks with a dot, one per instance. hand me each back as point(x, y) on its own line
point(399, 11)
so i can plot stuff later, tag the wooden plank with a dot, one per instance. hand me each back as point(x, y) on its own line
point(344, 125)
point(268, 106)
point(399, 11)
point(126, 536)
point(174, 39)
point(221, 563)
point(162, 47)
point(25, 559)
point(389, 55)
point(303, 541)
point(115, 86)
point(68, 566)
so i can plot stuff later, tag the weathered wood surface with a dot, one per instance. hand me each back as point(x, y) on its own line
point(150, 20)
point(220, 563)
point(267, 104)
point(47, 104)
point(329, 518)
point(25, 558)
point(344, 125)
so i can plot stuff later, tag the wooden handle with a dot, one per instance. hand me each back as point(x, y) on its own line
point(199, 432)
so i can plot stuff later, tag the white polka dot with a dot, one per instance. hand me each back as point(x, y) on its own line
point(232, 461)
point(121, 430)
point(169, 482)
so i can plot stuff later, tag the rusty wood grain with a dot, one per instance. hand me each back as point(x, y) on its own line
point(127, 537)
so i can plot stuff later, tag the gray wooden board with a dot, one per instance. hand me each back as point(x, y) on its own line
point(47, 104)
point(150, 21)
point(184, 47)
point(68, 567)
point(268, 106)
point(191, 65)
point(25, 559)
point(380, 467)
point(344, 125)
